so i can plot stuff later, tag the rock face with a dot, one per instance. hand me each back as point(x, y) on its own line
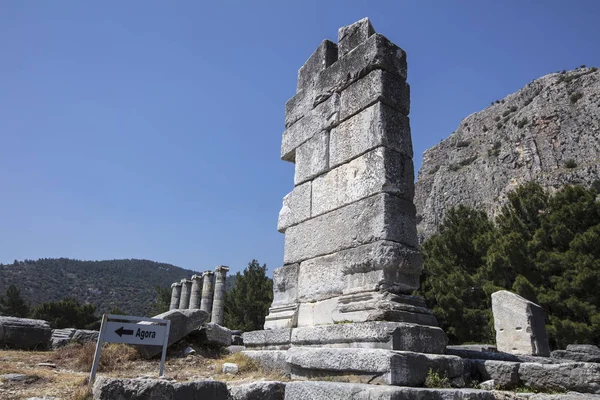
point(349, 223)
point(549, 132)
point(519, 324)
point(24, 333)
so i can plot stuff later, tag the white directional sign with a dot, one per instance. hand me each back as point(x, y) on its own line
point(120, 332)
point(132, 330)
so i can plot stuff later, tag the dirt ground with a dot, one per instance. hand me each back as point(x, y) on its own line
point(67, 377)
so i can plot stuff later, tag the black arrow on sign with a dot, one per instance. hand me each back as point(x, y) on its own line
point(122, 331)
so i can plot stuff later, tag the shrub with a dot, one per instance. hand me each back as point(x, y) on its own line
point(497, 118)
point(513, 109)
point(494, 151)
point(244, 363)
point(434, 380)
point(81, 357)
point(499, 125)
point(582, 66)
point(522, 123)
point(463, 143)
point(593, 69)
point(485, 128)
point(575, 96)
point(570, 163)
point(506, 113)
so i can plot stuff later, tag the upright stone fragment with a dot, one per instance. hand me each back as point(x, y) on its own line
point(325, 55)
point(350, 36)
point(24, 333)
point(196, 294)
point(186, 291)
point(175, 295)
point(207, 291)
point(219, 299)
point(520, 325)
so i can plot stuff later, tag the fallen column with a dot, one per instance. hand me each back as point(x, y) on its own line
point(218, 305)
point(207, 291)
point(186, 288)
point(175, 295)
point(196, 292)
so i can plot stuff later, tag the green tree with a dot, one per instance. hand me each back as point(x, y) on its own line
point(13, 304)
point(543, 247)
point(451, 281)
point(247, 304)
point(67, 313)
point(162, 301)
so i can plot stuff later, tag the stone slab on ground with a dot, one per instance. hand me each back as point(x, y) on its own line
point(376, 335)
point(520, 325)
point(61, 337)
point(263, 390)
point(375, 366)
point(183, 322)
point(356, 391)
point(270, 360)
point(24, 333)
point(500, 356)
point(85, 336)
point(505, 374)
point(579, 377)
point(214, 335)
point(578, 352)
point(563, 396)
point(271, 339)
point(145, 389)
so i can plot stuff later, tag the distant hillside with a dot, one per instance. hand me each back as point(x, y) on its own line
point(126, 284)
point(549, 132)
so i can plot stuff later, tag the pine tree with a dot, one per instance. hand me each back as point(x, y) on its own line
point(13, 304)
point(247, 304)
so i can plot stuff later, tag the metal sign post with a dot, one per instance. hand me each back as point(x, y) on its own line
point(132, 330)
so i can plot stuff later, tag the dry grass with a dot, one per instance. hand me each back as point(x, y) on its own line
point(114, 356)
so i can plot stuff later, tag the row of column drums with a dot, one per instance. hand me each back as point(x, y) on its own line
point(205, 292)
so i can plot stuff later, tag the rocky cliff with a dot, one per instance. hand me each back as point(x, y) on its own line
point(549, 131)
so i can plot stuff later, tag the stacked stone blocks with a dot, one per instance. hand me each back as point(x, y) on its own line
point(349, 223)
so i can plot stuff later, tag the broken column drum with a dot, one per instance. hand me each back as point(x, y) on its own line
point(207, 291)
point(196, 293)
point(349, 223)
point(175, 295)
point(186, 290)
point(219, 296)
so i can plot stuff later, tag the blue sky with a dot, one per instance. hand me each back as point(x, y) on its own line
point(151, 129)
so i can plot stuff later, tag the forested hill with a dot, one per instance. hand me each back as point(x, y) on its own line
point(126, 284)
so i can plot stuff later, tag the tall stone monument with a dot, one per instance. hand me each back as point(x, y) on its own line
point(207, 291)
point(175, 295)
point(196, 293)
point(351, 259)
point(186, 291)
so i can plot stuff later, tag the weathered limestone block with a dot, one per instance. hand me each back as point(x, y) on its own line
point(175, 295)
point(382, 265)
point(318, 312)
point(273, 339)
point(377, 52)
point(375, 335)
point(316, 390)
point(196, 294)
point(61, 337)
point(24, 333)
point(133, 389)
point(580, 377)
point(263, 390)
point(350, 36)
point(312, 158)
point(379, 85)
point(377, 125)
point(520, 325)
point(186, 291)
point(321, 118)
point(505, 374)
point(325, 55)
point(270, 360)
point(85, 336)
point(296, 207)
point(379, 217)
point(218, 306)
point(379, 171)
point(283, 312)
point(183, 322)
point(579, 352)
point(382, 306)
point(212, 334)
point(374, 366)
